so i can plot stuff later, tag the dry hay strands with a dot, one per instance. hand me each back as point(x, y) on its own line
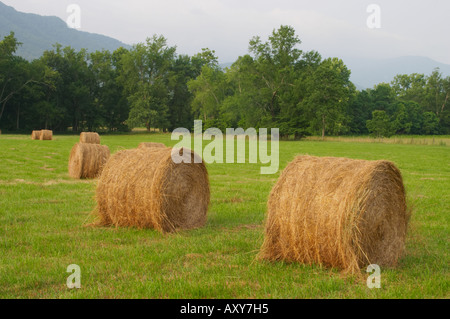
point(46, 135)
point(36, 135)
point(151, 145)
point(144, 188)
point(87, 160)
point(337, 212)
point(89, 137)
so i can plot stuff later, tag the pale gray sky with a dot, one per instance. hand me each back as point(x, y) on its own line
point(332, 27)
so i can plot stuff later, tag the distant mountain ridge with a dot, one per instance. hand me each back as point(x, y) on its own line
point(368, 72)
point(40, 33)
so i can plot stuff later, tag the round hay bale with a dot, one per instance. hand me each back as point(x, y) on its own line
point(36, 135)
point(151, 144)
point(87, 160)
point(337, 212)
point(89, 137)
point(144, 188)
point(46, 135)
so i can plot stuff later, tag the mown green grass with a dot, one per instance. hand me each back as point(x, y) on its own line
point(43, 213)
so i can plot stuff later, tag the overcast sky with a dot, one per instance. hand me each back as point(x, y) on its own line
point(332, 27)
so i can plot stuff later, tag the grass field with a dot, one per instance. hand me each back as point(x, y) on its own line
point(43, 213)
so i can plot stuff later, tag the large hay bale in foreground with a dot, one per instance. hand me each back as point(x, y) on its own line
point(46, 135)
point(89, 137)
point(152, 145)
point(36, 135)
point(144, 188)
point(337, 212)
point(87, 160)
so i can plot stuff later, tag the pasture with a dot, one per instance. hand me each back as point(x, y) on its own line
point(44, 213)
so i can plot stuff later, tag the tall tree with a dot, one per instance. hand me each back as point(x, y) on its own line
point(409, 87)
point(109, 101)
point(359, 110)
point(244, 106)
point(209, 90)
point(180, 98)
point(145, 77)
point(276, 61)
point(14, 75)
point(73, 92)
point(436, 93)
point(328, 91)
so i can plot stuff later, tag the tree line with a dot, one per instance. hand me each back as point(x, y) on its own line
point(275, 85)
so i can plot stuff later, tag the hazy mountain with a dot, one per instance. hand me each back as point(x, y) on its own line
point(39, 33)
point(368, 72)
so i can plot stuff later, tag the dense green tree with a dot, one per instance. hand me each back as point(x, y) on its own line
point(437, 99)
point(44, 113)
point(328, 91)
point(430, 123)
point(436, 94)
point(276, 62)
point(179, 104)
point(359, 110)
point(109, 100)
point(73, 87)
point(383, 98)
point(184, 104)
point(415, 116)
point(267, 84)
point(401, 123)
point(409, 87)
point(245, 106)
point(21, 84)
point(206, 57)
point(145, 77)
point(380, 124)
point(209, 90)
point(14, 75)
point(430, 92)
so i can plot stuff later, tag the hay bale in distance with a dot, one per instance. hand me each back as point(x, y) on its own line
point(89, 137)
point(36, 135)
point(144, 188)
point(46, 135)
point(87, 160)
point(337, 212)
point(152, 144)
